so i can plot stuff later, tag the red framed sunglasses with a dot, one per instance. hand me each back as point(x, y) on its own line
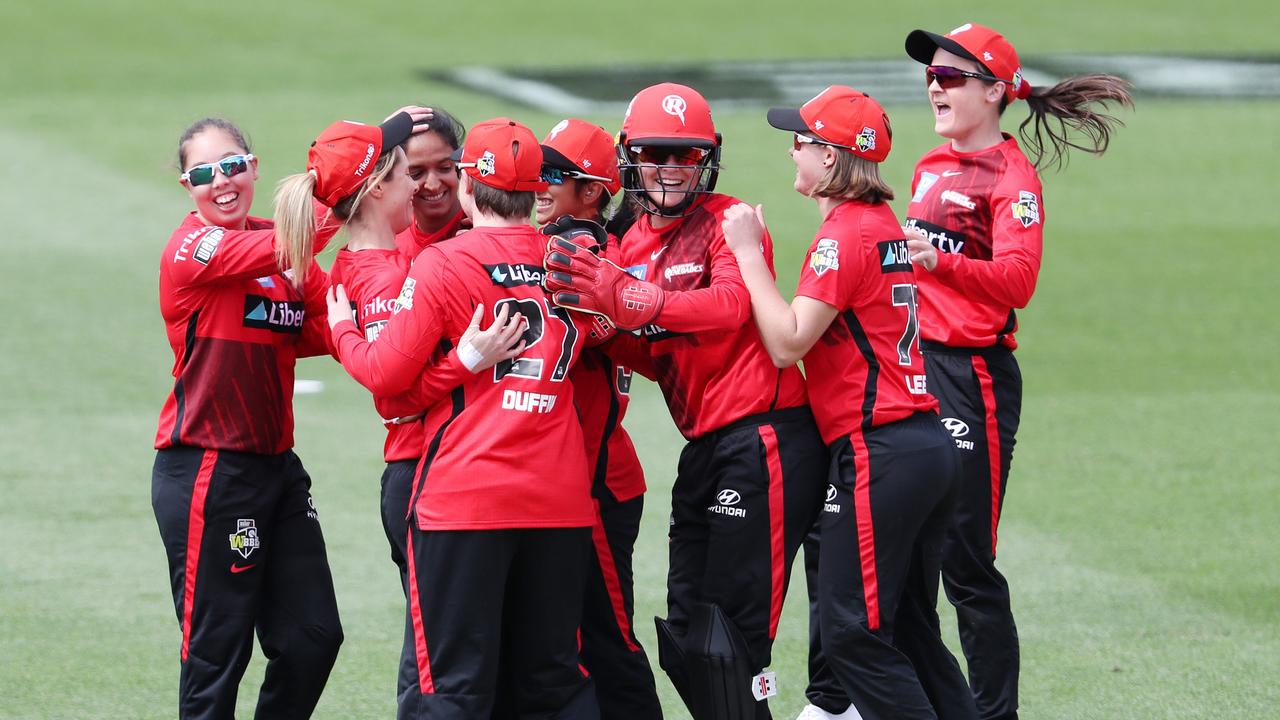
point(949, 77)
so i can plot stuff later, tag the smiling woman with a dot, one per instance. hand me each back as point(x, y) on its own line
point(975, 227)
point(231, 498)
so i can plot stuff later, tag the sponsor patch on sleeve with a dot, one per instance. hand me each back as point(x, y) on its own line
point(1027, 209)
point(405, 299)
point(208, 245)
point(826, 256)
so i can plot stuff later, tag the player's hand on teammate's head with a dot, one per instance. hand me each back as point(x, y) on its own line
point(743, 228)
point(421, 115)
point(502, 340)
point(339, 305)
point(922, 252)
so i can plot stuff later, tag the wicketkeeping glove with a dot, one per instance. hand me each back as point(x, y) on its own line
point(579, 280)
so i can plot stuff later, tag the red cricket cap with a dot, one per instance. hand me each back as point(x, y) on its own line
point(669, 115)
point(980, 44)
point(841, 116)
point(502, 154)
point(343, 156)
point(578, 145)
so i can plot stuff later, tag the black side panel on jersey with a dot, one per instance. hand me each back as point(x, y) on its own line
point(873, 366)
point(459, 398)
point(180, 392)
point(599, 488)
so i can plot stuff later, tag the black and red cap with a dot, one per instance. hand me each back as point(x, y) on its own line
point(342, 157)
point(978, 43)
point(841, 116)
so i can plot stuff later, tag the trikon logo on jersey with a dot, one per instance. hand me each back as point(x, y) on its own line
point(519, 275)
point(893, 256)
point(263, 313)
point(245, 539)
point(947, 241)
point(726, 499)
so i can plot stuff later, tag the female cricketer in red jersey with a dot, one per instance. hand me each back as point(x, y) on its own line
point(437, 214)
point(581, 170)
point(500, 516)
point(975, 227)
point(373, 269)
point(749, 482)
point(893, 470)
point(231, 498)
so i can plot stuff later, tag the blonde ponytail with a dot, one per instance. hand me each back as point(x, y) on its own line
point(295, 225)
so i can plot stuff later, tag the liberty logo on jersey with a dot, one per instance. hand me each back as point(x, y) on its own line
point(508, 275)
point(894, 256)
point(263, 313)
point(825, 257)
point(947, 241)
point(245, 539)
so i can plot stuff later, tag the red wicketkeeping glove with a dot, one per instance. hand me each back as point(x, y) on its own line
point(579, 280)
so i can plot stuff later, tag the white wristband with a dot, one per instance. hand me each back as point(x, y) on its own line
point(470, 357)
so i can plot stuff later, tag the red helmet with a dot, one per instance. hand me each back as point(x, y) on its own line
point(672, 115)
point(669, 116)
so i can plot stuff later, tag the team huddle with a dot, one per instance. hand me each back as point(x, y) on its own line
point(500, 350)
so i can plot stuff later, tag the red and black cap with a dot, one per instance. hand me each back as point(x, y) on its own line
point(978, 43)
point(841, 116)
point(502, 154)
point(342, 157)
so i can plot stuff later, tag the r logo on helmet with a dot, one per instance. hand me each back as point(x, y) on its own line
point(675, 105)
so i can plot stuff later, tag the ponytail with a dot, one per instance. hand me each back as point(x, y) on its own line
point(295, 225)
point(1064, 108)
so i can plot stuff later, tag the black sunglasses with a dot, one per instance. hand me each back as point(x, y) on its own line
point(557, 176)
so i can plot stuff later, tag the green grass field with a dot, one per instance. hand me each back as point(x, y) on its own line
point(1139, 535)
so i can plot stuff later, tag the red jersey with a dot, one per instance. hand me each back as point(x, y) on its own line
point(372, 279)
point(236, 325)
point(985, 214)
point(602, 390)
point(866, 369)
point(412, 241)
point(707, 354)
point(495, 448)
